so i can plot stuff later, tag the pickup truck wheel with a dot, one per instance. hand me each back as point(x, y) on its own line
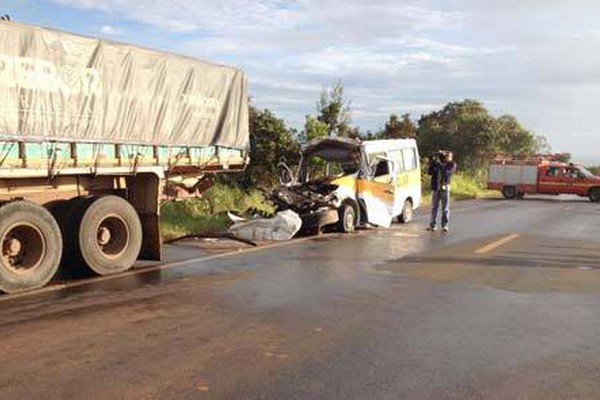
point(109, 235)
point(31, 246)
point(347, 222)
point(509, 192)
point(595, 195)
point(407, 213)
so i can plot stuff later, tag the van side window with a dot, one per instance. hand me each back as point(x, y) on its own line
point(410, 159)
point(396, 155)
point(382, 169)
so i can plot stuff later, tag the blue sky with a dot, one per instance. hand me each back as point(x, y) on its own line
point(536, 59)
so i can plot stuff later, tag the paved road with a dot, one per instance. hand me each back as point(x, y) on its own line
point(506, 306)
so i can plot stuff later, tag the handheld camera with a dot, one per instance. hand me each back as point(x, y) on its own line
point(441, 156)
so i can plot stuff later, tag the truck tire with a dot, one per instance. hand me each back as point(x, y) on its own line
point(407, 213)
point(347, 222)
point(31, 246)
point(108, 235)
point(68, 214)
point(509, 192)
point(595, 195)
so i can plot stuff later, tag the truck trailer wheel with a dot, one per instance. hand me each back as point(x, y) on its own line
point(595, 195)
point(31, 246)
point(509, 192)
point(347, 222)
point(108, 236)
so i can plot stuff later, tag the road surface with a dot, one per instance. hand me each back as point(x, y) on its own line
point(506, 306)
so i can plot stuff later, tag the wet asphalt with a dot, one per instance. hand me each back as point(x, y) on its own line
point(505, 306)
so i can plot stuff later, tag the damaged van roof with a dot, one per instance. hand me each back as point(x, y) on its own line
point(336, 149)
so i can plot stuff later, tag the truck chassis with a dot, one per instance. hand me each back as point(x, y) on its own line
point(92, 205)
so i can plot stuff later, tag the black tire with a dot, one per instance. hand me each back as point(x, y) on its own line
point(509, 192)
point(407, 213)
point(108, 234)
point(31, 246)
point(595, 195)
point(347, 222)
point(68, 214)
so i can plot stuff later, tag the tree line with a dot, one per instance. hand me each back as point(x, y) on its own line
point(465, 127)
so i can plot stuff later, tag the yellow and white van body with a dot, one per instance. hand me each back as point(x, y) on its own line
point(391, 184)
point(364, 182)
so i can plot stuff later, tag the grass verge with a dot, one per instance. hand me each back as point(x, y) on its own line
point(464, 187)
point(208, 214)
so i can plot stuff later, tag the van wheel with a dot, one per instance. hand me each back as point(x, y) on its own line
point(595, 195)
point(31, 246)
point(407, 213)
point(509, 192)
point(347, 222)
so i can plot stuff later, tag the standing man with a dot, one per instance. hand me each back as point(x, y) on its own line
point(441, 168)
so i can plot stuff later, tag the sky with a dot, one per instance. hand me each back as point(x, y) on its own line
point(536, 59)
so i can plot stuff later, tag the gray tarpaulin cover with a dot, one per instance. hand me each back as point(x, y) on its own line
point(55, 85)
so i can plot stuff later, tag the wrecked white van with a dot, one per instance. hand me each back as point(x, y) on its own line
point(344, 183)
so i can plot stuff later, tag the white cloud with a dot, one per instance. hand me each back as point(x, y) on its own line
point(531, 58)
point(110, 30)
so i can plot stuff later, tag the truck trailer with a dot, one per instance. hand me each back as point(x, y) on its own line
point(93, 134)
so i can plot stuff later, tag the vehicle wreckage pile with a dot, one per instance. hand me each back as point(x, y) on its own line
point(306, 198)
point(315, 202)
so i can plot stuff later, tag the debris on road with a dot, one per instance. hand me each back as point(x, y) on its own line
point(282, 226)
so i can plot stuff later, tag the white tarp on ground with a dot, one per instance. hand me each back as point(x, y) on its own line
point(65, 87)
point(283, 226)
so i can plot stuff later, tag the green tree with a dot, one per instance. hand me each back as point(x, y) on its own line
point(468, 129)
point(334, 111)
point(511, 137)
point(271, 142)
point(542, 145)
point(313, 128)
point(397, 128)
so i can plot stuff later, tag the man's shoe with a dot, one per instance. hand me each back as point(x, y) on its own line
point(432, 228)
point(445, 229)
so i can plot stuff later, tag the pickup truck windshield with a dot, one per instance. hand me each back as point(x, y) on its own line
point(585, 173)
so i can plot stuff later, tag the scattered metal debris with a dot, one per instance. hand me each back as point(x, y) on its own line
point(218, 235)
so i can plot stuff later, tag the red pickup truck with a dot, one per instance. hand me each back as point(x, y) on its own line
point(517, 177)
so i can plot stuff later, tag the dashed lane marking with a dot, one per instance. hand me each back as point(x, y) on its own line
point(498, 243)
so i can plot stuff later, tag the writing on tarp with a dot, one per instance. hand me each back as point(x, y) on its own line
point(36, 74)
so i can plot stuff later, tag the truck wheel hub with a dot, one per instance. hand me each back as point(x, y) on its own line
point(23, 248)
point(103, 236)
point(112, 236)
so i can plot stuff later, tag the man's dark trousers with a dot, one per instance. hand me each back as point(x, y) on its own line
point(438, 196)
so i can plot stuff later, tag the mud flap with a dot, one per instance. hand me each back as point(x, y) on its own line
point(144, 193)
